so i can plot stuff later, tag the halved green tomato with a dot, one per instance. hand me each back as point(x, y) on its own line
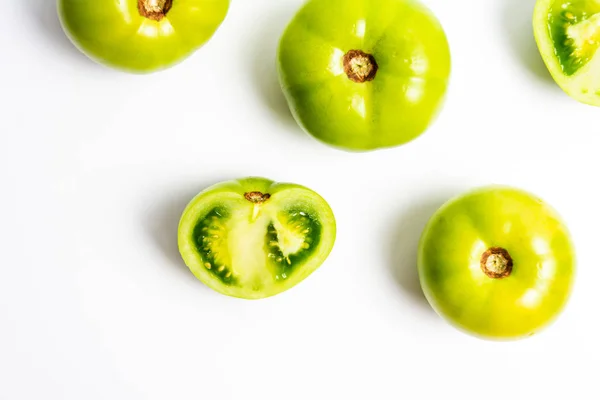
point(567, 34)
point(362, 75)
point(253, 238)
point(140, 36)
point(497, 262)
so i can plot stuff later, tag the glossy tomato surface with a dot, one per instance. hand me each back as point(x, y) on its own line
point(254, 238)
point(568, 37)
point(140, 36)
point(363, 75)
point(497, 262)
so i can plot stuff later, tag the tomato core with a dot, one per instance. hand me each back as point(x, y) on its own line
point(496, 263)
point(154, 9)
point(360, 66)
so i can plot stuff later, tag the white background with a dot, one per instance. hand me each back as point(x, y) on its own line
point(97, 165)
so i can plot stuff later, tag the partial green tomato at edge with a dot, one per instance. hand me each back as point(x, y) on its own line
point(497, 262)
point(362, 75)
point(567, 34)
point(254, 238)
point(140, 36)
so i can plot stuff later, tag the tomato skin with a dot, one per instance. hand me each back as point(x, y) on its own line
point(115, 34)
point(413, 57)
point(514, 307)
point(231, 195)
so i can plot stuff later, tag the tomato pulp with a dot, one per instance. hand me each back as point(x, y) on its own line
point(567, 34)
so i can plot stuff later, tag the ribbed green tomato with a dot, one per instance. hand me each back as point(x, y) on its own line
point(362, 75)
point(567, 33)
point(253, 238)
point(140, 36)
point(497, 262)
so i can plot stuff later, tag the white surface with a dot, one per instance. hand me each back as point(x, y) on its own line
point(96, 166)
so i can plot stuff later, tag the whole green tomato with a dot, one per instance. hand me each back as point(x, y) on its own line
point(140, 36)
point(364, 75)
point(497, 262)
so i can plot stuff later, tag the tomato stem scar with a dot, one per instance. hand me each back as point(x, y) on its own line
point(496, 263)
point(359, 66)
point(154, 9)
point(257, 197)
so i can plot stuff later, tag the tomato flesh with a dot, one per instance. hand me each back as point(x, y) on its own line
point(454, 264)
point(127, 36)
point(568, 37)
point(401, 89)
point(255, 248)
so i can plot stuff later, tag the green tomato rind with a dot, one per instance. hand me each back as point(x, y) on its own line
point(574, 66)
point(113, 33)
point(514, 307)
point(285, 198)
point(410, 48)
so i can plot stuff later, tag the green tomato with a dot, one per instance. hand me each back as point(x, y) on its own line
point(497, 262)
point(253, 238)
point(364, 75)
point(140, 36)
point(567, 34)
